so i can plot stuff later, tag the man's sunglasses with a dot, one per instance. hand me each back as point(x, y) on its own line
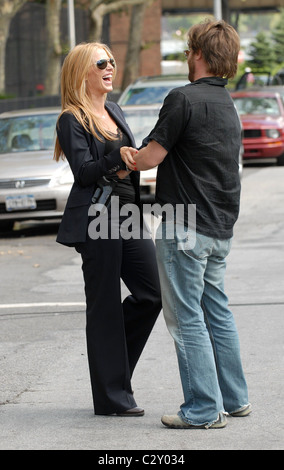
point(102, 63)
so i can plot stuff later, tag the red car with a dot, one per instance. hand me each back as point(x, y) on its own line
point(262, 116)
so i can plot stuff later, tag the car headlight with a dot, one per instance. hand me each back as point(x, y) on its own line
point(66, 177)
point(273, 133)
point(62, 176)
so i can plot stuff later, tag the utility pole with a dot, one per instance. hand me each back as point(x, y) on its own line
point(71, 24)
point(217, 9)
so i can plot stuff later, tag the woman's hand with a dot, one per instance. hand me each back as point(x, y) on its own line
point(127, 155)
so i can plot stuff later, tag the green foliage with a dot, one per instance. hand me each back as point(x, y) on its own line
point(261, 52)
point(278, 39)
point(233, 81)
point(249, 23)
point(267, 50)
point(184, 22)
point(6, 96)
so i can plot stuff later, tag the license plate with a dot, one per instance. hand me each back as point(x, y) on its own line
point(16, 203)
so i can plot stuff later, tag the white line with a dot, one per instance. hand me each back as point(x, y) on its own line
point(44, 304)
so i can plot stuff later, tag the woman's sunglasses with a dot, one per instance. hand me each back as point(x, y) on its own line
point(102, 63)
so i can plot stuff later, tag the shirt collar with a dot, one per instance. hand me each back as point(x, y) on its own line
point(212, 81)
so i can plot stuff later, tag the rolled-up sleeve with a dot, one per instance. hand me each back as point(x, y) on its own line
point(173, 118)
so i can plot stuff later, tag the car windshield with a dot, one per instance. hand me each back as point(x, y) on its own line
point(141, 122)
point(146, 95)
point(257, 105)
point(27, 133)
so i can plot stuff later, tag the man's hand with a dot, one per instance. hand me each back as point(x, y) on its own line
point(144, 159)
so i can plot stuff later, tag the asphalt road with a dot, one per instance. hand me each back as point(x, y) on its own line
point(45, 396)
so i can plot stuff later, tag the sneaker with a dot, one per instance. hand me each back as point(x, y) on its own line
point(175, 421)
point(243, 411)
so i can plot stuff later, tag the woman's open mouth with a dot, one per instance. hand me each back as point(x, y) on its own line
point(108, 78)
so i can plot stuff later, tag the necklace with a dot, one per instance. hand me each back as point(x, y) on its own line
point(101, 116)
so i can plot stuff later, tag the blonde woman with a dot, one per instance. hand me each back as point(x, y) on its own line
point(90, 133)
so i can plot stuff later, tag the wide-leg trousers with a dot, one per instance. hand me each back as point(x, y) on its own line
point(117, 329)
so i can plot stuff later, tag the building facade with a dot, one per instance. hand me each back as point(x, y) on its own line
point(26, 57)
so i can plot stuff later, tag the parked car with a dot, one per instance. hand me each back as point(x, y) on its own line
point(262, 116)
point(32, 184)
point(141, 120)
point(151, 90)
point(252, 78)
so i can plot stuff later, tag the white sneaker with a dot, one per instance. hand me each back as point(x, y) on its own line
point(175, 422)
point(243, 411)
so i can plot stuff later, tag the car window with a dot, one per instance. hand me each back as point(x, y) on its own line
point(141, 122)
point(27, 133)
point(146, 95)
point(257, 105)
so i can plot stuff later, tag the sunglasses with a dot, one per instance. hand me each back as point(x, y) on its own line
point(102, 63)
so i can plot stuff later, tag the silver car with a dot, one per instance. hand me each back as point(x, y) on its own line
point(141, 120)
point(32, 184)
point(151, 90)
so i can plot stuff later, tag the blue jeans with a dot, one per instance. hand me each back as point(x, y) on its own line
point(197, 316)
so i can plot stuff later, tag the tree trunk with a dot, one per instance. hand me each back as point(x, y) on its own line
point(131, 68)
point(8, 8)
point(54, 49)
point(100, 8)
point(4, 31)
point(96, 24)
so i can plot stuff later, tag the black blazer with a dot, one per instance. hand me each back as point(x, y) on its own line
point(88, 163)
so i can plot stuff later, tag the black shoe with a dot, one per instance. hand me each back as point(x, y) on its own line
point(132, 412)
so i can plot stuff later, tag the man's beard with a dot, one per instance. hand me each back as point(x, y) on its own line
point(191, 70)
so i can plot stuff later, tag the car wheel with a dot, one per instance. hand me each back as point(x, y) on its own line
point(6, 225)
point(280, 160)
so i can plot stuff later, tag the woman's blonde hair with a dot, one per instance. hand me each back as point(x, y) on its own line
point(74, 98)
point(219, 44)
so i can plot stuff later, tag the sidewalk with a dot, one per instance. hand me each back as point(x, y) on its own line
point(55, 411)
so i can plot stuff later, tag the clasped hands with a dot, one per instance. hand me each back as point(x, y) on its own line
point(146, 158)
point(128, 156)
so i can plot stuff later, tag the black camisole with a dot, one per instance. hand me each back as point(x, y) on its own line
point(124, 188)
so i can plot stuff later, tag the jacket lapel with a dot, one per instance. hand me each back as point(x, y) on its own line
point(121, 123)
point(119, 119)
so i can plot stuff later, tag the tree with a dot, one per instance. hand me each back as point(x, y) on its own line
point(278, 39)
point(8, 8)
point(261, 52)
point(54, 49)
point(100, 8)
point(131, 68)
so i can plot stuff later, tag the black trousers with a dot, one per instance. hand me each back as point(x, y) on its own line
point(117, 331)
